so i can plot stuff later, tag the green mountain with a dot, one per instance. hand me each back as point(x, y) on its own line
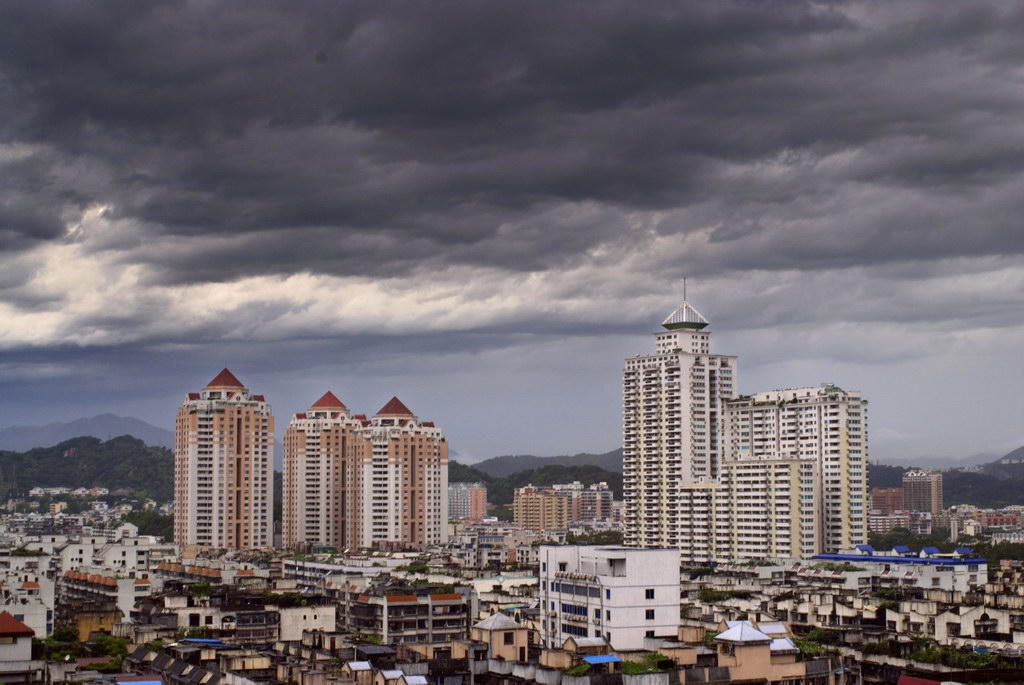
point(500, 490)
point(122, 462)
point(499, 467)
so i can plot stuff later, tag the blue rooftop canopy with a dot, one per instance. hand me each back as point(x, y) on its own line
point(902, 549)
point(963, 550)
point(930, 550)
point(866, 548)
point(602, 659)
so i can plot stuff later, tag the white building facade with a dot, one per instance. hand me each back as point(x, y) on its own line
point(780, 474)
point(619, 594)
point(672, 423)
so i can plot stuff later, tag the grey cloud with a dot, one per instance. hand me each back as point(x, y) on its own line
point(455, 129)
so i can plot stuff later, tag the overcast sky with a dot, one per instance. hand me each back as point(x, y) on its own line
point(483, 207)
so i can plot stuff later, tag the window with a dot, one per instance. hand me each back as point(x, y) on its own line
point(649, 593)
point(649, 633)
point(607, 594)
point(562, 566)
point(509, 638)
point(607, 615)
point(650, 615)
point(597, 613)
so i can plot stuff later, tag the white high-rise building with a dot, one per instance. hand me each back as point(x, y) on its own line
point(826, 426)
point(720, 477)
point(223, 467)
point(672, 424)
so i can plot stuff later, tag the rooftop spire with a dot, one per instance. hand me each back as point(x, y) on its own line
point(329, 401)
point(225, 379)
point(685, 316)
point(394, 407)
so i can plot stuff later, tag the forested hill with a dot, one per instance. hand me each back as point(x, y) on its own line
point(499, 467)
point(122, 462)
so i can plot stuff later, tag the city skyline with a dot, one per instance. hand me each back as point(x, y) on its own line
point(476, 210)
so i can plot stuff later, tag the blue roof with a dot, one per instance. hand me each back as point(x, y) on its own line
point(930, 550)
point(881, 559)
point(602, 659)
point(963, 550)
point(902, 549)
point(865, 548)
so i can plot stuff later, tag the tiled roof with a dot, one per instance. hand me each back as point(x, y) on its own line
point(743, 633)
point(498, 621)
point(329, 400)
point(225, 379)
point(394, 407)
point(12, 627)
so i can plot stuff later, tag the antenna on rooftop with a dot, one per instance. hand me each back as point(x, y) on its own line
point(684, 288)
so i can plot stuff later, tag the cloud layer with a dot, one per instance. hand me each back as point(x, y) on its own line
point(443, 196)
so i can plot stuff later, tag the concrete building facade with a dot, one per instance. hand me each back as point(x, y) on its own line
point(621, 595)
point(223, 467)
point(922, 491)
point(720, 476)
point(536, 508)
point(467, 501)
point(672, 410)
point(351, 481)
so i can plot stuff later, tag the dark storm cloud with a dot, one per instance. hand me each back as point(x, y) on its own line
point(377, 138)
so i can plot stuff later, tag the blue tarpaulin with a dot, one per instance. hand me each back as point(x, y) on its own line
point(602, 659)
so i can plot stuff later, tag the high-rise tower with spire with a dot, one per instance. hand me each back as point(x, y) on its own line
point(778, 474)
point(672, 409)
point(223, 467)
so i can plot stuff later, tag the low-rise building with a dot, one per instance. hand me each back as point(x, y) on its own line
point(619, 594)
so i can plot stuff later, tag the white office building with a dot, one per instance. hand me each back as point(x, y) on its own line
point(622, 595)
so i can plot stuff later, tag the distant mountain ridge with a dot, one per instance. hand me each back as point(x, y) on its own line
point(500, 467)
point(104, 427)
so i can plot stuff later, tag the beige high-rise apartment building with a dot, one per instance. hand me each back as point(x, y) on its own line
point(352, 481)
point(922, 491)
point(324, 457)
point(223, 467)
point(540, 508)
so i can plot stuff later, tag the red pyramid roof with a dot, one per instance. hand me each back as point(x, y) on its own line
point(12, 627)
point(329, 400)
point(394, 407)
point(225, 379)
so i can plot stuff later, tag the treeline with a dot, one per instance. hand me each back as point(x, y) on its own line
point(991, 552)
point(501, 490)
point(958, 487)
point(119, 463)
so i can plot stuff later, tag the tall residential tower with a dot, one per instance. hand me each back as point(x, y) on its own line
point(352, 481)
point(672, 423)
point(223, 467)
point(718, 476)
